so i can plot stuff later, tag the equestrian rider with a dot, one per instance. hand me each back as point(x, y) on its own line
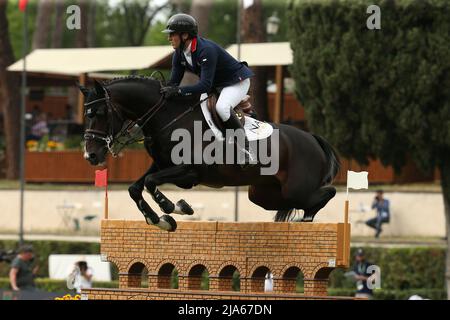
point(215, 66)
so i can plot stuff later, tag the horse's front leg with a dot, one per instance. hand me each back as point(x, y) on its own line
point(151, 217)
point(180, 175)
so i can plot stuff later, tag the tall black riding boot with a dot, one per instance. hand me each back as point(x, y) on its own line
point(234, 123)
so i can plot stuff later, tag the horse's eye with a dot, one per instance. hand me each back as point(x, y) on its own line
point(89, 113)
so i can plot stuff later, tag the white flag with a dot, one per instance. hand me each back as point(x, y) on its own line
point(248, 3)
point(357, 180)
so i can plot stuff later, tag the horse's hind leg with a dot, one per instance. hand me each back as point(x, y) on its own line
point(268, 196)
point(317, 201)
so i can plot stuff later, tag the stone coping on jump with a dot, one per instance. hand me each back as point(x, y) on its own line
point(164, 294)
point(228, 226)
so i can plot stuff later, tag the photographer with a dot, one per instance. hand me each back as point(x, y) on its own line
point(22, 273)
point(361, 275)
point(80, 277)
point(383, 213)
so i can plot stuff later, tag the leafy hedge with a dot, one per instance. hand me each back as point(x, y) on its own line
point(51, 285)
point(402, 268)
point(386, 294)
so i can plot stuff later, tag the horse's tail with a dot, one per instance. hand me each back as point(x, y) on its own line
point(283, 215)
point(333, 162)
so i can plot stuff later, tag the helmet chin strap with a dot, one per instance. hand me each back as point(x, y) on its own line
point(182, 43)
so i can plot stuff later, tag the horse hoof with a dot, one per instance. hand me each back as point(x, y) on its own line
point(151, 220)
point(307, 218)
point(185, 207)
point(167, 206)
point(167, 223)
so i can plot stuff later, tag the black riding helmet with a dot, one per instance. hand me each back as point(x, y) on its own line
point(181, 23)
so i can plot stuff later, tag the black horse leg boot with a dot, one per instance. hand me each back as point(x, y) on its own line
point(234, 123)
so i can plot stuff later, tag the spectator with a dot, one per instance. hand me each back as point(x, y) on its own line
point(40, 128)
point(80, 277)
point(268, 282)
point(361, 275)
point(383, 213)
point(22, 273)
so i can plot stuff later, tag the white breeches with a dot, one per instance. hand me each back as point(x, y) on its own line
point(230, 98)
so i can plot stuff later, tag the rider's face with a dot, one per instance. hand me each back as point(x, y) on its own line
point(174, 39)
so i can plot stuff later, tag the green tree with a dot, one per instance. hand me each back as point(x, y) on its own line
point(9, 96)
point(378, 93)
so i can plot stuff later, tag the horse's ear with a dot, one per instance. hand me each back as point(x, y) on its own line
point(99, 88)
point(84, 90)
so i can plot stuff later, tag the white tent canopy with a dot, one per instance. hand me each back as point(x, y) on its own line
point(264, 54)
point(85, 60)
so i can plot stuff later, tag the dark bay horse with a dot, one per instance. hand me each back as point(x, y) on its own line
point(307, 164)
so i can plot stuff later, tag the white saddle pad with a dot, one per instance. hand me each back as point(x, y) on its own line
point(254, 129)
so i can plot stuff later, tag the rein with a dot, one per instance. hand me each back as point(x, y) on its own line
point(190, 109)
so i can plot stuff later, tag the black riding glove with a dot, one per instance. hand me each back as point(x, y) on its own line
point(170, 91)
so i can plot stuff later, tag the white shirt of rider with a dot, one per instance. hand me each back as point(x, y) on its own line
point(188, 54)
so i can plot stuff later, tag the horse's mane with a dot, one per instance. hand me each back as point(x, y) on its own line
point(143, 79)
point(131, 78)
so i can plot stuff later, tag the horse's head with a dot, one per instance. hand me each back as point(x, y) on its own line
point(101, 124)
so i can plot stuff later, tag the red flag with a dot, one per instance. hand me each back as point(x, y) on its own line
point(23, 5)
point(101, 178)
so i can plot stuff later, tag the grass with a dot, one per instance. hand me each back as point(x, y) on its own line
point(398, 242)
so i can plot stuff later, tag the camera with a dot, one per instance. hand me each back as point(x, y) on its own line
point(7, 256)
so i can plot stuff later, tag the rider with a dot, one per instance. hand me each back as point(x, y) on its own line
point(215, 66)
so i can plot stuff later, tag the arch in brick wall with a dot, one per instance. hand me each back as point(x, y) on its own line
point(293, 264)
point(231, 263)
point(257, 276)
point(117, 264)
point(135, 272)
point(137, 260)
point(163, 262)
point(225, 273)
point(195, 262)
point(288, 280)
point(195, 273)
point(256, 265)
point(322, 271)
point(164, 274)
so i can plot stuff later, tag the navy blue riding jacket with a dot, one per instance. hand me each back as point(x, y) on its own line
point(215, 67)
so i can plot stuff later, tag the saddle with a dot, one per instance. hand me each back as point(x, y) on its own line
point(242, 109)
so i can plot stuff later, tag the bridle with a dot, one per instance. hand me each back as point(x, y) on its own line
point(109, 137)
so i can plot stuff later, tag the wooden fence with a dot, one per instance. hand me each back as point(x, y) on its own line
point(70, 167)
